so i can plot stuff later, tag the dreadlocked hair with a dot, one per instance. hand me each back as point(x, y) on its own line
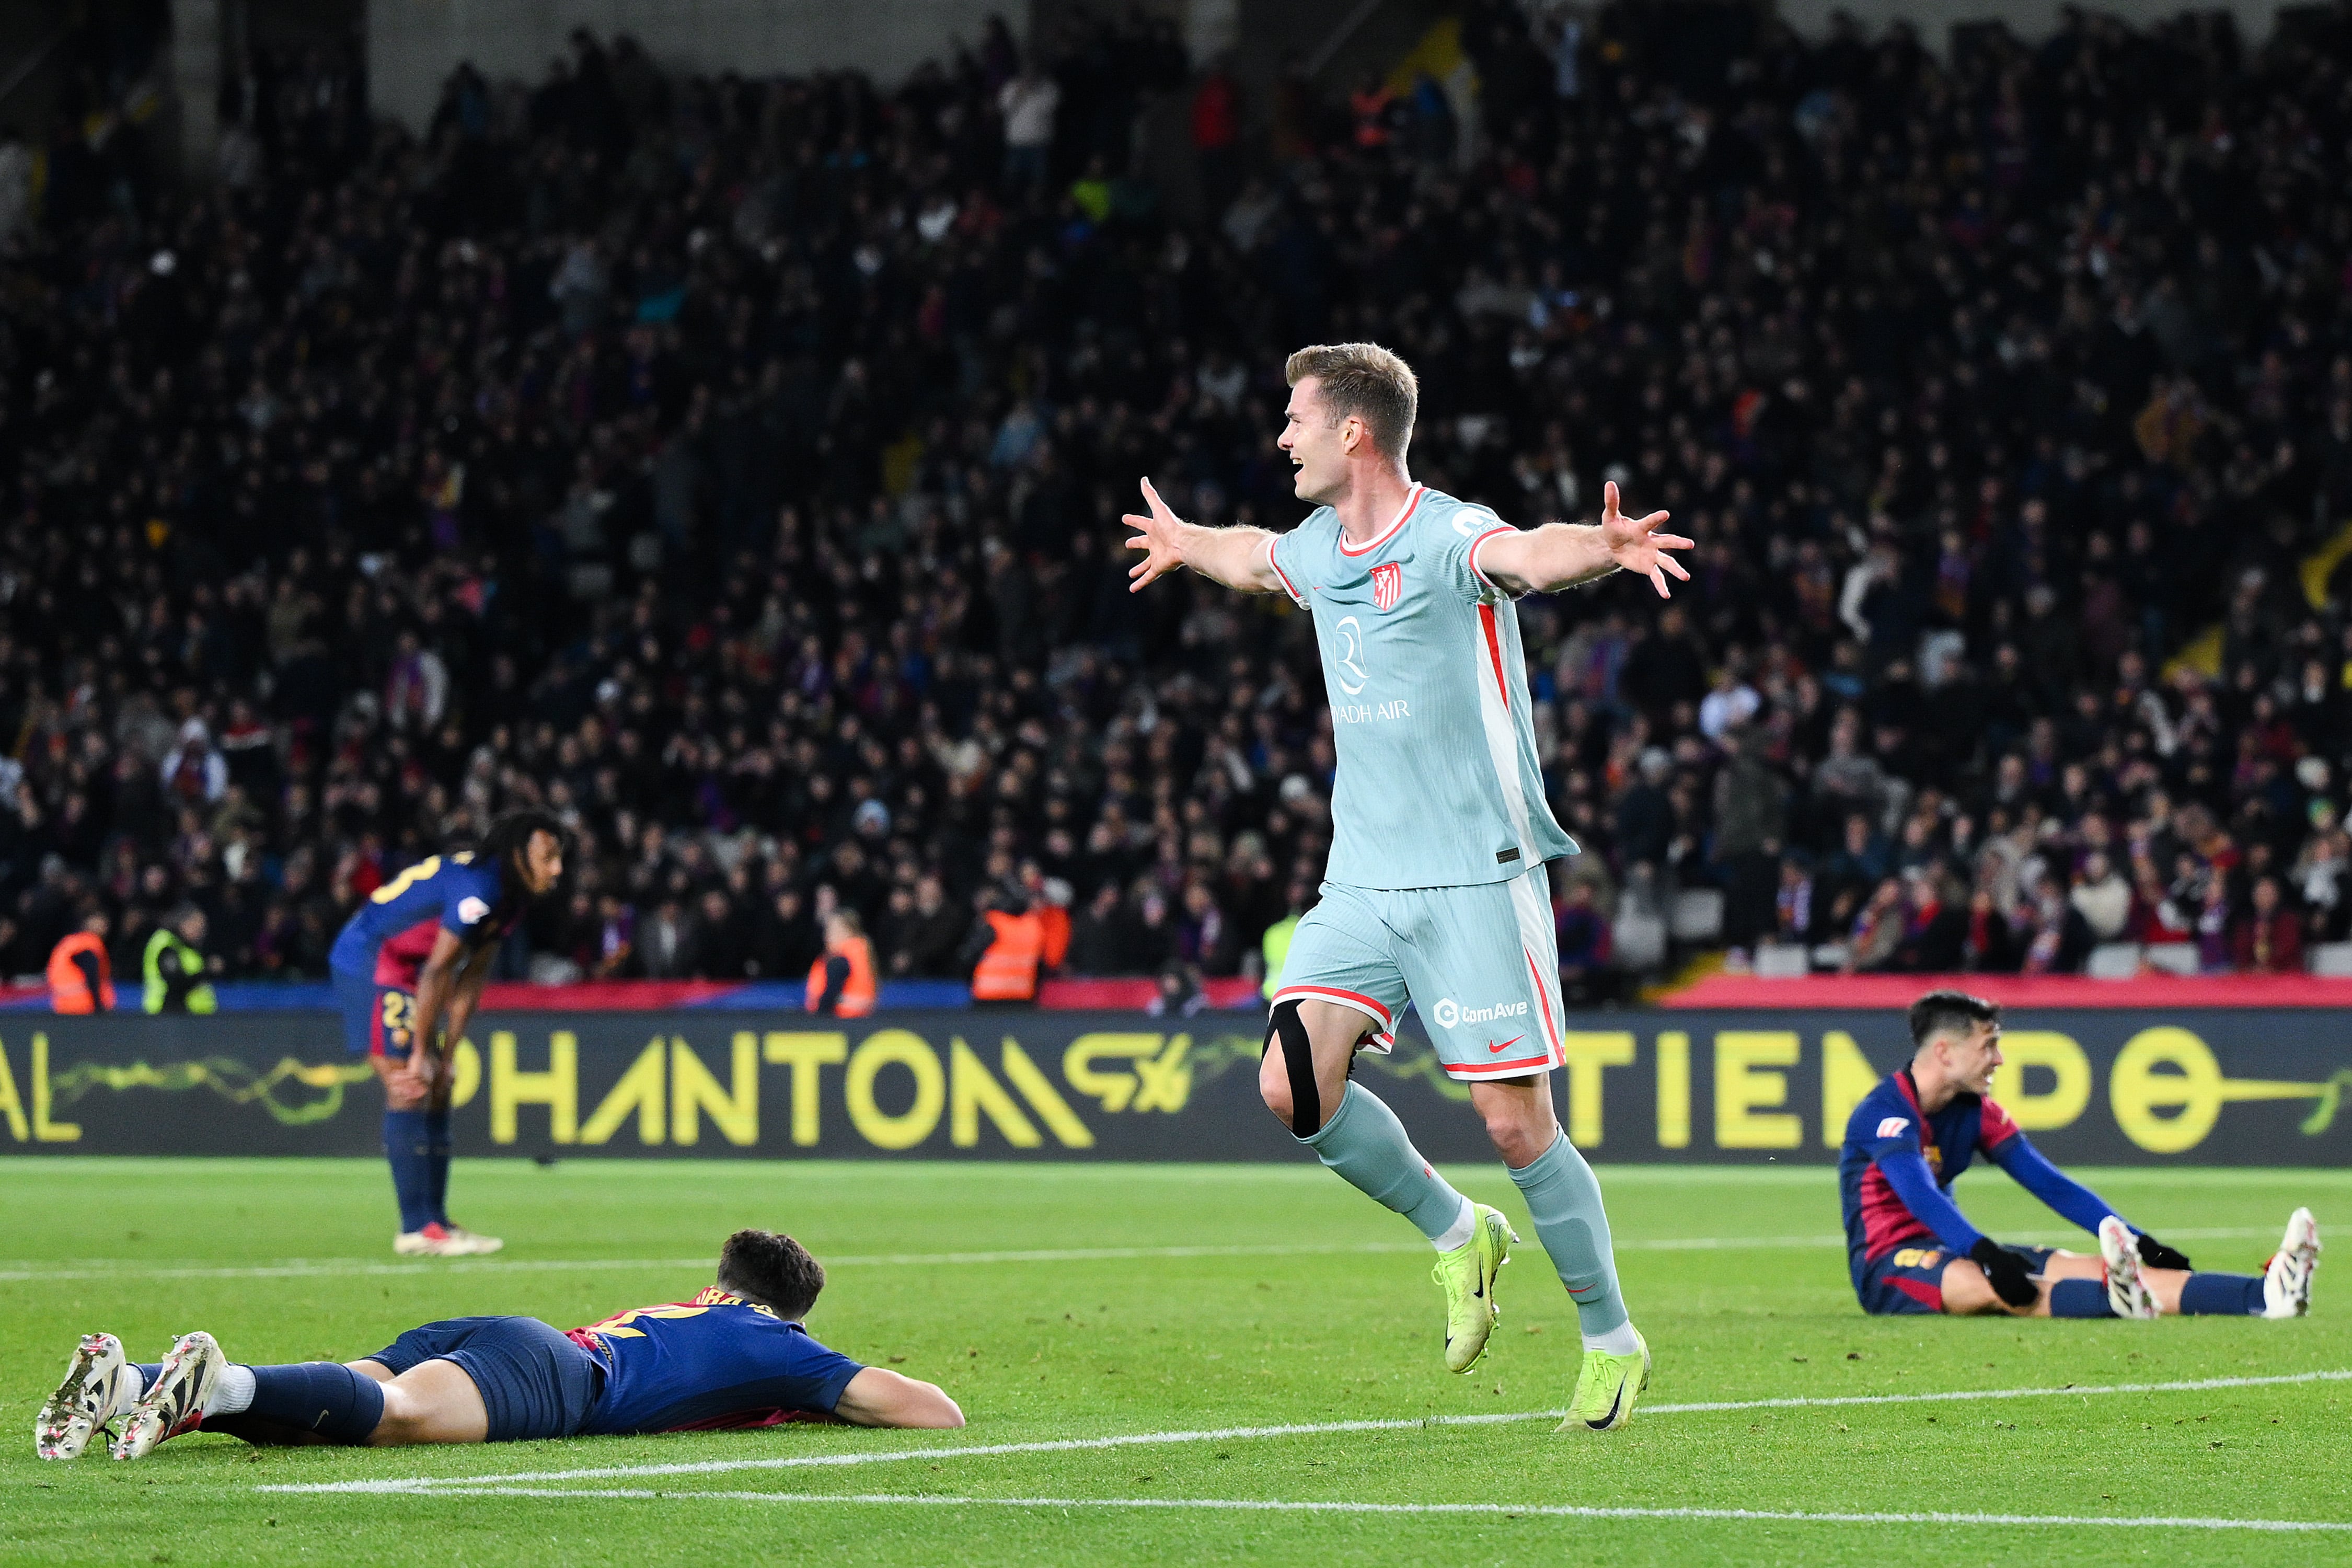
point(507, 841)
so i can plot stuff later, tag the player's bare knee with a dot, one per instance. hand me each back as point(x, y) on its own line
point(1274, 1085)
point(1518, 1142)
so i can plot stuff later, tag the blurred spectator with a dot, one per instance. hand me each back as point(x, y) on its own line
point(2268, 938)
point(761, 522)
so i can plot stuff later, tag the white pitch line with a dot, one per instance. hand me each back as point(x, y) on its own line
point(1243, 1434)
point(1510, 1511)
point(355, 1268)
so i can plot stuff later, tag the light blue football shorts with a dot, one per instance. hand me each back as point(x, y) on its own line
point(1480, 962)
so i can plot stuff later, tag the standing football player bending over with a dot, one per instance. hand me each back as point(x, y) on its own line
point(734, 1356)
point(1910, 1249)
point(409, 969)
point(1435, 890)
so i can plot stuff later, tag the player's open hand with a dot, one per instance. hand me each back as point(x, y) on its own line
point(428, 1068)
point(1156, 534)
point(1636, 546)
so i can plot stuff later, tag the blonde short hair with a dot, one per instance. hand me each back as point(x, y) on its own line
point(1366, 381)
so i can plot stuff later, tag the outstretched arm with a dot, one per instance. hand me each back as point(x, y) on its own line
point(2070, 1198)
point(1562, 554)
point(1238, 557)
point(880, 1398)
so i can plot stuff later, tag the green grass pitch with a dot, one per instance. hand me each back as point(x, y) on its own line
point(1214, 1298)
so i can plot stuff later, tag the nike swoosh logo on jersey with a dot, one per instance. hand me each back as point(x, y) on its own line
point(1507, 1045)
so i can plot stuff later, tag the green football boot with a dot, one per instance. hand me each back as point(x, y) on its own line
point(1466, 1275)
point(1606, 1388)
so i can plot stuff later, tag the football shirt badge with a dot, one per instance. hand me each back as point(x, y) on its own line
point(1388, 585)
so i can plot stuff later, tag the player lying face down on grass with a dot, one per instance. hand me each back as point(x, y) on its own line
point(1911, 1250)
point(1435, 891)
point(734, 1356)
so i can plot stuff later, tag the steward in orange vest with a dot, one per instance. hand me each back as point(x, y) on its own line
point(1008, 970)
point(841, 982)
point(80, 980)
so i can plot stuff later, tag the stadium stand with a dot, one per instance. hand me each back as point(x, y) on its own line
point(733, 467)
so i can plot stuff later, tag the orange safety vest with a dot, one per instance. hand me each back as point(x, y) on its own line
point(68, 990)
point(857, 991)
point(1008, 970)
point(1054, 920)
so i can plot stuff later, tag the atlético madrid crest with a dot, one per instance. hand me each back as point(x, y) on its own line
point(1388, 585)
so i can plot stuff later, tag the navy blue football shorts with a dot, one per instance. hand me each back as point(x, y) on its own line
point(1911, 1278)
point(534, 1381)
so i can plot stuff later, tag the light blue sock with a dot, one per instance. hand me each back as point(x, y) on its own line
point(1564, 1201)
point(1366, 1144)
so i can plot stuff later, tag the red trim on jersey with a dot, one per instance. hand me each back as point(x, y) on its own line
point(1995, 1126)
point(1488, 1069)
point(1504, 527)
point(1275, 567)
point(1333, 993)
point(1551, 1034)
point(1495, 653)
point(1385, 535)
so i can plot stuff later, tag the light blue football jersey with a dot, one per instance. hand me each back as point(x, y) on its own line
point(1438, 783)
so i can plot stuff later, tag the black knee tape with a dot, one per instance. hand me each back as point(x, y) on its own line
point(1299, 1060)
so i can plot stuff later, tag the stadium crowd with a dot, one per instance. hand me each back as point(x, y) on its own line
point(733, 467)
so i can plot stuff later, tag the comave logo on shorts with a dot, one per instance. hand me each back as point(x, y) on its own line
point(1449, 1012)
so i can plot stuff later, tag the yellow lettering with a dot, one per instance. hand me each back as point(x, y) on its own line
point(466, 1074)
point(1747, 1086)
point(804, 1054)
point(693, 1092)
point(1586, 1053)
point(1055, 1112)
point(899, 1048)
point(1674, 1089)
point(558, 1088)
point(406, 880)
point(2165, 1068)
point(2023, 1048)
point(44, 1130)
point(640, 1090)
point(973, 1089)
point(10, 1106)
point(1113, 1089)
point(1167, 1081)
point(1847, 1078)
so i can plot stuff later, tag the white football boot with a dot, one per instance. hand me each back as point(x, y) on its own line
point(175, 1403)
point(2286, 1278)
point(99, 1385)
point(475, 1243)
point(2127, 1293)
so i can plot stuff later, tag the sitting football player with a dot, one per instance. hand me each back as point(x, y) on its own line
point(1911, 1250)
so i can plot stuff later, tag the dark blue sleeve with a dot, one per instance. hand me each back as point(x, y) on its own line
point(468, 898)
point(809, 1377)
point(1907, 1173)
point(2024, 1163)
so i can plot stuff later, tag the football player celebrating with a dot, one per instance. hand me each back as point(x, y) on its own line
point(409, 969)
point(737, 1355)
point(1435, 891)
point(1911, 1250)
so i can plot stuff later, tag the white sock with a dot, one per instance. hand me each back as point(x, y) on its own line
point(1618, 1340)
point(1460, 1231)
point(128, 1390)
point(233, 1392)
